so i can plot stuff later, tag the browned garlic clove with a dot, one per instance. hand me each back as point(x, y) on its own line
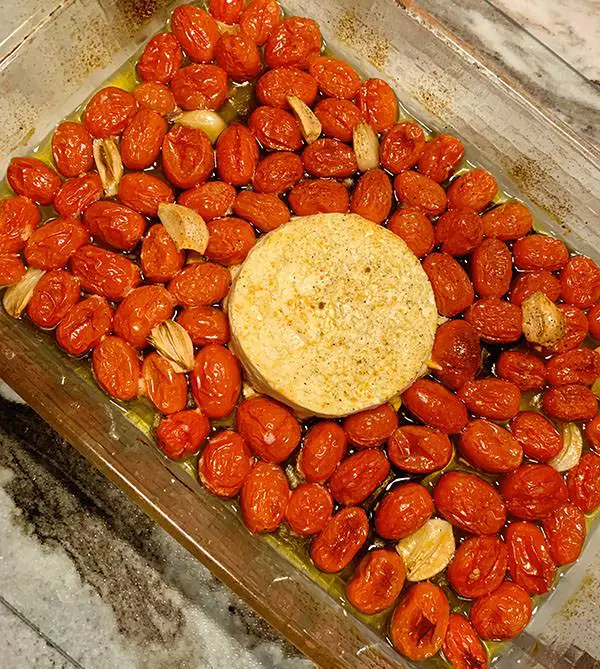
point(109, 164)
point(543, 322)
point(173, 342)
point(366, 147)
point(185, 226)
point(310, 126)
point(16, 298)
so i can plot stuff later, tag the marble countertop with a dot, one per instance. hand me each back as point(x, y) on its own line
point(88, 581)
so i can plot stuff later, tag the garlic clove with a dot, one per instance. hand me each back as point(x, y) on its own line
point(310, 126)
point(109, 164)
point(427, 551)
point(366, 147)
point(543, 322)
point(202, 119)
point(16, 298)
point(174, 343)
point(185, 226)
point(570, 453)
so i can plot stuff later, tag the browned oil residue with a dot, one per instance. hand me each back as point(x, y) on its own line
point(364, 39)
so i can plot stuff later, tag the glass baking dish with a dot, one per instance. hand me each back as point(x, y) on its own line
point(52, 61)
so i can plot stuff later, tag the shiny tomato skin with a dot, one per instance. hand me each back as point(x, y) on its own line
point(196, 31)
point(371, 428)
point(230, 240)
point(200, 87)
point(293, 43)
point(181, 434)
point(237, 155)
point(416, 190)
point(378, 104)
point(33, 179)
point(117, 368)
point(329, 158)
point(592, 433)
point(264, 498)
point(478, 567)
point(462, 647)
point(538, 437)
point(525, 370)
point(340, 540)
point(278, 172)
point(72, 149)
point(259, 19)
point(358, 476)
point(211, 199)
point(239, 56)
point(473, 190)
point(565, 531)
point(419, 449)
point(265, 211)
point(503, 614)
point(411, 225)
point(275, 129)
point(401, 147)
point(459, 231)
point(529, 562)
point(143, 192)
point(142, 139)
point(108, 112)
point(496, 321)
point(402, 511)
point(11, 269)
point(114, 224)
point(451, 285)
point(372, 196)
point(572, 402)
point(205, 325)
point(436, 406)
point(456, 349)
point(491, 268)
point(84, 325)
point(166, 389)
point(496, 399)
point(155, 97)
point(489, 447)
point(377, 582)
point(200, 284)
point(336, 79)
point(309, 508)
point(324, 446)
point(19, 217)
point(187, 156)
point(580, 282)
point(583, 482)
point(593, 317)
point(528, 283)
point(440, 157)
point(533, 491)
point(55, 293)
point(540, 252)
point(225, 464)
point(469, 503)
point(159, 257)
point(141, 311)
point(104, 272)
point(276, 85)
point(50, 246)
point(338, 118)
point(77, 194)
point(579, 365)
point(160, 59)
point(318, 196)
point(508, 221)
point(216, 381)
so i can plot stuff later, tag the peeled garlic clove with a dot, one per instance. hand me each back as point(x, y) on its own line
point(543, 322)
point(202, 119)
point(185, 226)
point(17, 296)
point(310, 126)
point(427, 551)
point(173, 342)
point(570, 453)
point(366, 147)
point(109, 164)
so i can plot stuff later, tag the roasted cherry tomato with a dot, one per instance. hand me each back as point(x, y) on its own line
point(160, 59)
point(579, 281)
point(55, 293)
point(358, 476)
point(529, 283)
point(318, 196)
point(459, 231)
point(33, 179)
point(529, 562)
point(401, 147)
point(451, 285)
point(109, 111)
point(462, 647)
point(142, 139)
point(200, 284)
point(275, 129)
point(469, 503)
point(592, 432)
point(419, 623)
point(377, 582)
point(329, 158)
point(278, 172)
point(540, 252)
point(77, 194)
point(84, 325)
point(293, 43)
point(205, 325)
point(200, 87)
point(525, 370)
point(117, 368)
point(417, 190)
point(378, 104)
point(338, 118)
point(335, 78)
point(230, 240)
point(478, 567)
point(72, 149)
point(50, 246)
point(324, 446)
point(489, 447)
point(371, 428)
point(497, 399)
point(196, 31)
point(570, 403)
point(159, 257)
point(440, 157)
point(11, 269)
point(239, 56)
point(419, 449)
point(225, 464)
point(309, 509)
point(538, 437)
point(265, 211)
point(436, 406)
point(457, 351)
point(579, 365)
point(264, 498)
point(533, 491)
point(104, 272)
point(411, 225)
point(259, 18)
point(340, 540)
point(143, 192)
point(495, 321)
point(156, 97)
point(565, 531)
point(593, 319)
point(503, 614)
point(372, 196)
point(491, 268)
point(141, 311)
point(187, 156)
point(508, 221)
point(583, 482)
point(19, 217)
point(576, 329)
point(216, 381)
point(237, 155)
point(114, 224)
point(181, 434)
point(473, 190)
point(212, 199)
point(166, 389)
point(275, 86)
point(402, 511)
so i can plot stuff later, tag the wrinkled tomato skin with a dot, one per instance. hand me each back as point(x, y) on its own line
point(529, 562)
point(318, 196)
point(503, 614)
point(309, 508)
point(55, 293)
point(160, 59)
point(424, 607)
point(473, 190)
point(117, 368)
point(155, 97)
point(77, 194)
point(440, 157)
point(237, 155)
point(338, 118)
point(533, 491)
point(84, 325)
point(538, 437)
point(565, 532)
point(270, 429)
point(33, 179)
point(142, 139)
point(143, 192)
point(265, 211)
point(496, 399)
point(572, 402)
point(200, 284)
point(225, 464)
point(418, 449)
point(469, 503)
point(19, 217)
point(508, 221)
point(462, 647)
point(579, 365)
point(490, 448)
point(104, 272)
point(452, 288)
point(159, 257)
point(205, 325)
point(264, 498)
point(491, 268)
point(11, 269)
point(239, 56)
point(329, 158)
point(324, 446)
point(417, 190)
point(372, 196)
point(580, 282)
point(529, 283)
point(378, 104)
point(275, 129)
point(141, 311)
point(576, 329)
point(335, 78)
point(340, 540)
point(377, 582)
point(459, 231)
point(593, 317)
point(401, 147)
point(525, 370)
point(372, 427)
point(51, 246)
point(456, 349)
point(411, 225)
point(275, 86)
point(72, 149)
point(166, 389)
point(216, 381)
point(187, 156)
point(259, 19)
point(108, 112)
point(436, 406)
point(212, 199)
point(200, 87)
point(592, 433)
point(181, 434)
point(196, 31)
point(402, 511)
point(478, 567)
point(540, 252)
point(278, 172)
point(496, 321)
point(114, 224)
point(358, 476)
point(583, 482)
point(230, 240)
point(293, 43)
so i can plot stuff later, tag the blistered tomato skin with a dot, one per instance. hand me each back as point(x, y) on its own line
point(51, 246)
point(329, 158)
point(293, 43)
point(72, 149)
point(237, 155)
point(496, 399)
point(473, 190)
point(84, 325)
point(265, 211)
point(275, 129)
point(309, 508)
point(264, 498)
point(456, 349)
point(378, 104)
point(225, 464)
point(278, 172)
point(141, 311)
point(358, 476)
point(143, 192)
point(462, 647)
point(420, 621)
point(117, 368)
point(491, 268)
point(196, 31)
point(155, 97)
point(529, 562)
point(583, 482)
point(538, 437)
point(377, 581)
point(401, 147)
point(11, 269)
point(525, 370)
point(403, 511)
point(230, 240)
point(411, 225)
point(114, 224)
point(533, 491)
point(324, 446)
point(276, 85)
point(372, 196)
point(142, 139)
point(371, 428)
point(104, 272)
point(205, 325)
point(565, 531)
point(76, 195)
point(259, 19)
point(33, 179)
point(579, 365)
point(496, 321)
point(529, 283)
point(490, 448)
point(503, 614)
point(436, 406)
point(212, 199)
point(340, 540)
point(108, 112)
point(200, 87)
point(459, 231)
point(19, 217)
point(216, 381)
point(53, 296)
point(478, 567)
point(540, 252)
point(200, 284)
point(592, 433)
point(187, 156)
point(451, 285)
point(335, 78)
point(166, 389)
point(338, 118)
point(508, 221)
point(181, 434)
point(419, 449)
point(580, 282)
point(160, 59)
point(159, 256)
point(239, 56)
point(318, 196)
point(572, 402)
point(469, 503)
point(440, 157)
